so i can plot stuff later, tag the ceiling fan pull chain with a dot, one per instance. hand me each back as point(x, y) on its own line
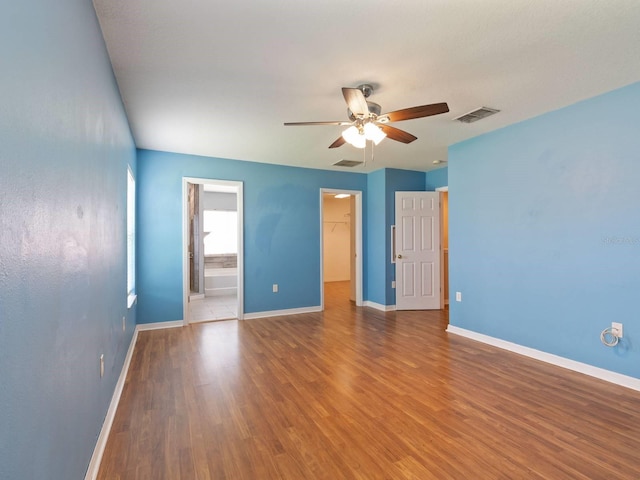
point(364, 155)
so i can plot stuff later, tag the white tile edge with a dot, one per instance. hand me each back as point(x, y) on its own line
point(597, 372)
point(379, 306)
point(278, 313)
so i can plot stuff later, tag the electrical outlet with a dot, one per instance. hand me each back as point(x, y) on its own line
point(275, 288)
point(458, 296)
point(124, 324)
point(393, 284)
point(616, 329)
point(102, 365)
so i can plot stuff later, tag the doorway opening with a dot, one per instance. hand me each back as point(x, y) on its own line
point(212, 250)
point(341, 245)
point(444, 244)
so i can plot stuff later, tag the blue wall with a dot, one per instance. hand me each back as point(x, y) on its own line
point(376, 228)
point(281, 230)
point(545, 234)
point(381, 188)
point(64, 149)
point(436, 179)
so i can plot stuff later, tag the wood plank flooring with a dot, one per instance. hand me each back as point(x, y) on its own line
point(354, 393)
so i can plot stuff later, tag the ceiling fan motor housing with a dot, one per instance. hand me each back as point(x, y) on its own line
point(366, 89)
point(373, 108)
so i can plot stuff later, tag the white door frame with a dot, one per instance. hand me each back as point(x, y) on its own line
point(418, 301)
point(185, 240)
point(443, 302)
point(358, 197)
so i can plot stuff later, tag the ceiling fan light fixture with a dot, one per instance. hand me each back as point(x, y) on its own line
point(373, 132)
point(352, 136)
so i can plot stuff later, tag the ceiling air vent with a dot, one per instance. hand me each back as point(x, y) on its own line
point(477, 114)
point(347, 163)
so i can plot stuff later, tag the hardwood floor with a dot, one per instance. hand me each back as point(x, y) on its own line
point(354, 393)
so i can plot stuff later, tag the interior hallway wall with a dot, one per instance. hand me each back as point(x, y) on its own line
point(64, 149)
point(282, 238)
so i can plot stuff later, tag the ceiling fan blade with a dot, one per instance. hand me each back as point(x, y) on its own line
point(289, 124)
point(417, 112)
point(398, 135)
point(355, 101)
point(338, 143)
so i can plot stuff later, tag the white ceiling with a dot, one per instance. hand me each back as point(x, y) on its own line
point(219, 79)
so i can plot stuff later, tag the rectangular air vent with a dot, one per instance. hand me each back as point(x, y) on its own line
point(477, 114)
point(347, 163)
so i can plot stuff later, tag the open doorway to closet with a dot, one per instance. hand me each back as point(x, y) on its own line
point(212, 245)
point(444, 245)
point(341, 278)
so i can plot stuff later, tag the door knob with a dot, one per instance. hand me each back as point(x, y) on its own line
point(399, 256)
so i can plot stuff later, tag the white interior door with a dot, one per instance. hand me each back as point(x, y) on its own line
point(418, 250)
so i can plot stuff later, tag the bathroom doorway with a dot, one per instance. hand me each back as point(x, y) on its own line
point(212, 250)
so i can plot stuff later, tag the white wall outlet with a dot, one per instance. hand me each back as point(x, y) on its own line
point(124, 324)
point(458, 296)
point(275, 288)
point(616, 329)
point(393, 284)
point(102, 365)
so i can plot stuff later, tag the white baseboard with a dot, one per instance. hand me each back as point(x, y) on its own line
point(379, 306)
point(98, 451)
point(278, 313)
point(601, 373)
point(159, 325)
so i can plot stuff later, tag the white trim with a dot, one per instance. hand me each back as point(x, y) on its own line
point(359, 255)
point(131, 299)
point(159, 325)
point(278, 313)
point(238, 185)
point(379, 306)
point(442, 189)
point(601, 373)
point(98, 451)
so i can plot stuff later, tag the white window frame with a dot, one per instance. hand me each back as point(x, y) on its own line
point(131, 238)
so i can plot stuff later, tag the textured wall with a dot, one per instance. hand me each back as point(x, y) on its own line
point(436, 179)
point(544, 233)
point(281, 230)
point(64, 149)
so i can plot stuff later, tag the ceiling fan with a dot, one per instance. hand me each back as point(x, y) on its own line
point(366, 122)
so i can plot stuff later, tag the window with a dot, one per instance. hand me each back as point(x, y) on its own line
point(221, 232)
point(131, 238)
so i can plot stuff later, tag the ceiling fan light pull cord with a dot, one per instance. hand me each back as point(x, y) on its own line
point(364, 156)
